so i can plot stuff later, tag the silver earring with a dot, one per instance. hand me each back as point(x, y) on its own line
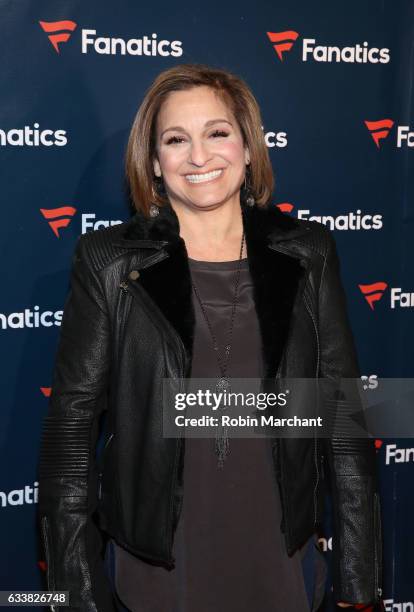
point(154, 210)
point(249, 199)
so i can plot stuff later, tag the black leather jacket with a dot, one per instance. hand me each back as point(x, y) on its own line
point(121, 333)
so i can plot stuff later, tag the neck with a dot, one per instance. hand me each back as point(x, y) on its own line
point(212, 234)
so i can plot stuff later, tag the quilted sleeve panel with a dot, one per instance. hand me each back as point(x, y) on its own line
point(67, 470)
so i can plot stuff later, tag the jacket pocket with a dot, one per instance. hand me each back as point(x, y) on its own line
point(50, 577)
point(108, 495)
point(102, 462)
point(320, 487)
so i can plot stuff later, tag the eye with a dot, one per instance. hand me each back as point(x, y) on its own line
point(173, 140)
point(178, 139)
point(219, 133)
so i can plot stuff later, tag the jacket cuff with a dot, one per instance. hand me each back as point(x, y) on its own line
point(74, 558)
point(357, 550)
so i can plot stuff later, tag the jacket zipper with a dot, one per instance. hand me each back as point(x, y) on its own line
point(49, 572)
point(124, 313)
point(315, 439)
point(102, 465)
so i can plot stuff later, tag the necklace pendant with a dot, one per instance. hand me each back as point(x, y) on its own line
point(222, 440)
point(222, 448)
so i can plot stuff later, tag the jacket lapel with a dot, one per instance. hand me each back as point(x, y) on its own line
point(277, 274)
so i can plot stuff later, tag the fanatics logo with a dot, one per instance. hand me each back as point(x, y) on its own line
point(60, 32)
point(57, 31)
point(90, 222)
point(373, 292)
point(379, 129)
point(370, 381)
point(390, 605)
point(285, 207)
point(283, 41)
point(19, 497)
point(65, 212)
point(312, 51)
point(30, 318)
point(398, 297)
point(348, 221)
point(32, 137)
point(394, 454)
point(46, 391)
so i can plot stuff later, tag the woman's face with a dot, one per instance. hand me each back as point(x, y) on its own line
point(199, 149)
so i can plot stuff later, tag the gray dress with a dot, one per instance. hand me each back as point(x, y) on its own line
point(229, 550)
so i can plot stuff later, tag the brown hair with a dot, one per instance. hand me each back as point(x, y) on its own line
point(238, 97)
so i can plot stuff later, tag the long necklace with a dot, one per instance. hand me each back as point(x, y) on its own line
point(223, 384)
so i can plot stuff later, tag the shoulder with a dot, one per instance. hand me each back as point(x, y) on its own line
point(99, 248)
point(316, 236)
point(283, 227)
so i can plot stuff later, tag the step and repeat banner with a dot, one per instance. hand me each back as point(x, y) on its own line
point(334, 81)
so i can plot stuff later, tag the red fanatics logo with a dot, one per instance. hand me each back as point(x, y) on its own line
point(65, 212)
point(379, 129)
point(57, 31)
point(373, 292)
point(282, 41)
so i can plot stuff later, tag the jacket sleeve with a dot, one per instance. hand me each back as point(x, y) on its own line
point(351, 461)
point(67, 472)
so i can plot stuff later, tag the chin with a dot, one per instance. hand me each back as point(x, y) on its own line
point(203, 201)
point(212, 200)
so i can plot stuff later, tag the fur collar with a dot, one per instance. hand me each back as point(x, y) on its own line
point(260, 222)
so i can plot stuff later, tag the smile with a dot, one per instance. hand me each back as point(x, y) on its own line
point(202, 178)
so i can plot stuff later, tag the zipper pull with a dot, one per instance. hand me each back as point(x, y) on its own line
point(133, 275)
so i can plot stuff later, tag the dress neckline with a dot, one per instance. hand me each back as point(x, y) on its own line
point(196, 264)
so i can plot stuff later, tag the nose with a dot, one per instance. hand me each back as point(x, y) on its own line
point(199, 153)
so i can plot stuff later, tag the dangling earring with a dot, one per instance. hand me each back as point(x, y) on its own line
point(158, 189)
point(249, 199)
point(154, 210)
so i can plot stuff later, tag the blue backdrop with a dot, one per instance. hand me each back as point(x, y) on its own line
point(334, 81)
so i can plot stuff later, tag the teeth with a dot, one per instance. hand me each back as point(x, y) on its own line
point(200, 178)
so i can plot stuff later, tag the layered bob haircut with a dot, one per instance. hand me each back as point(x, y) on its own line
point(234, 92)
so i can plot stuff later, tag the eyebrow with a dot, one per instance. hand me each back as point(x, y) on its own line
point(207, 124)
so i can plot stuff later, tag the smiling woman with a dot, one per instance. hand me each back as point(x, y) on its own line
point(201, 155)
point(207, 280)
point(187, 112)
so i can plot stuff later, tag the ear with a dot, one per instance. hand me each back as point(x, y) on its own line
point(246, 156)
point(157, 167)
